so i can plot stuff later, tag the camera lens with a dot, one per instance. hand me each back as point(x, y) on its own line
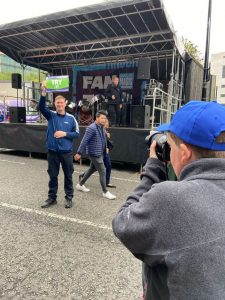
point(162, 147)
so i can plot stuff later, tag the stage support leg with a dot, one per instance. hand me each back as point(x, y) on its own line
point(170, 97)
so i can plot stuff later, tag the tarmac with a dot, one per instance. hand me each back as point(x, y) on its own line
point(59, 253)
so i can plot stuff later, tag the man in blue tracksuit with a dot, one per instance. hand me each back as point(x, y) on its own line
point(62, 129)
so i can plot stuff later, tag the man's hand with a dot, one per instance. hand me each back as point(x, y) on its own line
point(152, 153)
point(77, 157)
point(59, 134)
point(113, 97)
point(121, 105)
point(43, 88)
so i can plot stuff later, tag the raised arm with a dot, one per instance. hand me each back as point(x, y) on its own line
point(42, 102)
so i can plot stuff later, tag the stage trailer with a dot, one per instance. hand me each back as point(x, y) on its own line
point(110, 33)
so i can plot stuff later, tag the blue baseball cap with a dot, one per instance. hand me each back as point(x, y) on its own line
point(198, 123)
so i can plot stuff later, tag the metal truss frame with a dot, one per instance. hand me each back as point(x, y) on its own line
point(124, 30)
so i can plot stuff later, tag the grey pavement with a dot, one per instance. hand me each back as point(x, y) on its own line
point(59, 253)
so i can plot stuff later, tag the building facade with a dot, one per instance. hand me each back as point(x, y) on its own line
point(32, 77)
point(218, 69)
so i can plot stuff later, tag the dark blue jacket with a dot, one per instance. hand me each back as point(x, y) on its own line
point(116, 91)
point(94, 141)
point(57, 122)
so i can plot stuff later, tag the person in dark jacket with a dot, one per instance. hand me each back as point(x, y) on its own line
point(115, 98)
point(94, 144)
point(106, 158)
point(177, 228)
point(62, 129)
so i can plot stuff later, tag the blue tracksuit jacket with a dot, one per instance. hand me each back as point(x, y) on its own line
point(57, 122)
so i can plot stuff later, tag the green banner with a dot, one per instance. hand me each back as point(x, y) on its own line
point(57, 84)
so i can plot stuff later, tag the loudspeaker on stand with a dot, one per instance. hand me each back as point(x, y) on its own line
point(17, 114)
point(16, 81)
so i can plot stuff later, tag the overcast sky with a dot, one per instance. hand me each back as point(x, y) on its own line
point(188, 17)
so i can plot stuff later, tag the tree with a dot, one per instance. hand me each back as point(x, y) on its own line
point(193, 50)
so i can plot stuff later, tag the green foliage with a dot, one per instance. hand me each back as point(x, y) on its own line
point(9, 66)
point(29, 76)
point(5, 76)
point(193, 50)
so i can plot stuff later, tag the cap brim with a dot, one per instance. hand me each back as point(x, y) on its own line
point(163, 127)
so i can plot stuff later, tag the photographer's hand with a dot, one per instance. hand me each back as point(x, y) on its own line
point(152, 153)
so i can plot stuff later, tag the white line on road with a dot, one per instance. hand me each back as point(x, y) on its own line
point(13, 162)
point(124, 179)
point(117, 178)
point(55, 216)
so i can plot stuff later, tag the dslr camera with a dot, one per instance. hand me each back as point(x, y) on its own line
point(162, 147)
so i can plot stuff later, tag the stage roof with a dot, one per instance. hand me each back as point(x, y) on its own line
point(106, 32)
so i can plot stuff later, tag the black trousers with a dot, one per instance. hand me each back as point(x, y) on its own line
point(54, 161)
point(114, 112)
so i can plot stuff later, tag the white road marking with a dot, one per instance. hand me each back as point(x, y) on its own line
point(124, 179)
point(12, 162)
point(116, 178)
point(54, 216)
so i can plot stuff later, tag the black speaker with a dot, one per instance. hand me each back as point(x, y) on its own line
point(144, 66)
point(16, 81)
point(140, 116)
point(17, 114)
point(125, 115)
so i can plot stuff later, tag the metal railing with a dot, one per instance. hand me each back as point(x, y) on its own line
point(29, 104)
point(162, 104)
point(163, 107)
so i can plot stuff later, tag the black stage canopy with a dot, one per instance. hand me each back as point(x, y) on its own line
point(106, 32)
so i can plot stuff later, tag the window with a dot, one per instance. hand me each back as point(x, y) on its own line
point(222, 86)
point(223, 72)
point(222, 95)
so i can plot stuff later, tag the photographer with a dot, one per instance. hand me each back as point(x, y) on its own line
point(177, 228)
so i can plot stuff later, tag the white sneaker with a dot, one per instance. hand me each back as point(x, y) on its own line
point(109, 196)
point(82, 188)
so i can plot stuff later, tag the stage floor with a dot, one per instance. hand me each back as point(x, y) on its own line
point(129, 143)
